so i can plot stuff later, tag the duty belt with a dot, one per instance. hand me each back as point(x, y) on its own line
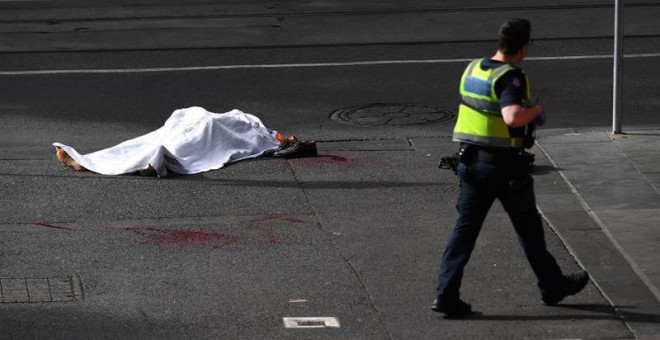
point(489, 155)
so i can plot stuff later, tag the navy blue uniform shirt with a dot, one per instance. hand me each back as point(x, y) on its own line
point(511, 87)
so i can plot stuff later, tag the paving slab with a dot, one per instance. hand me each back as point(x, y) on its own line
point(614, 236)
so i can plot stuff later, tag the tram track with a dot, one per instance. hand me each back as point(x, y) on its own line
point(200, 27)
point(276, 14)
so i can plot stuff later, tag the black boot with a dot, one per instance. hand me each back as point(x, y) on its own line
point(296, 149)
point(573, 284)
point(451, 308)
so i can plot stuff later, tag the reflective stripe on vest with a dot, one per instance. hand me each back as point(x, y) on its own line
point(479, 116)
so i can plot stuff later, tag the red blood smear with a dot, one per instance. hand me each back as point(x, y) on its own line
point(337, 158)
point(274, 240)
point(320, 160)
point(41, 224)
point(201, 237)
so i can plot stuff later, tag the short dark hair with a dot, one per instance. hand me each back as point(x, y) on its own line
point(513, 35)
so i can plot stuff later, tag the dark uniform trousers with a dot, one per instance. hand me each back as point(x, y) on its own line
point(487, 174)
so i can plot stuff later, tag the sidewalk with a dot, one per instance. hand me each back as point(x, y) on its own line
point(610, 220)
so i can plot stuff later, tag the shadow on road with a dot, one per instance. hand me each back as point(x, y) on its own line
point(545, 169)
point(313, 184)
point(607, 312)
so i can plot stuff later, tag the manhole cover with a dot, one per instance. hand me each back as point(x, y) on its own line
point(384, 114)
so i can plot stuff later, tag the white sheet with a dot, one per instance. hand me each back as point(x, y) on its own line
point(192, 140)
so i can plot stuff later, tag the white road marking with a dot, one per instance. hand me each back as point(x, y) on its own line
point(310, 322)
point(270, 66)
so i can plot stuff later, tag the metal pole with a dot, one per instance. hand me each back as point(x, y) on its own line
point(618, 66)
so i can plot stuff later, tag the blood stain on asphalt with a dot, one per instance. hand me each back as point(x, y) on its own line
point(199, 237)
point(274, 241)
point(320, 160)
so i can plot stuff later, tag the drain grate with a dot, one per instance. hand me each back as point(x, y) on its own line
point(389, 114)
point(311, 322)
point(36, 290)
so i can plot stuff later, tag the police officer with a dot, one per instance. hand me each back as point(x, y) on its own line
point(493, 124)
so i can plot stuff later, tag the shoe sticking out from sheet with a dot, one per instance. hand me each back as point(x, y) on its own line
point(295, 148)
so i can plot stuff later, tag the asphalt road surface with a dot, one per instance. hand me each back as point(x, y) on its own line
point(354, 234)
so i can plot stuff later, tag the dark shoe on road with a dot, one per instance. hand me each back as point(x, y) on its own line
point(452, 308)
point(574, 283)
point(297, 149)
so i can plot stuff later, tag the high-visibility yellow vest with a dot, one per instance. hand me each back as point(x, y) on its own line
point(479, 115)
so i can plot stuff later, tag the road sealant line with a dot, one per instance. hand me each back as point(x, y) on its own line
point(302, 65)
